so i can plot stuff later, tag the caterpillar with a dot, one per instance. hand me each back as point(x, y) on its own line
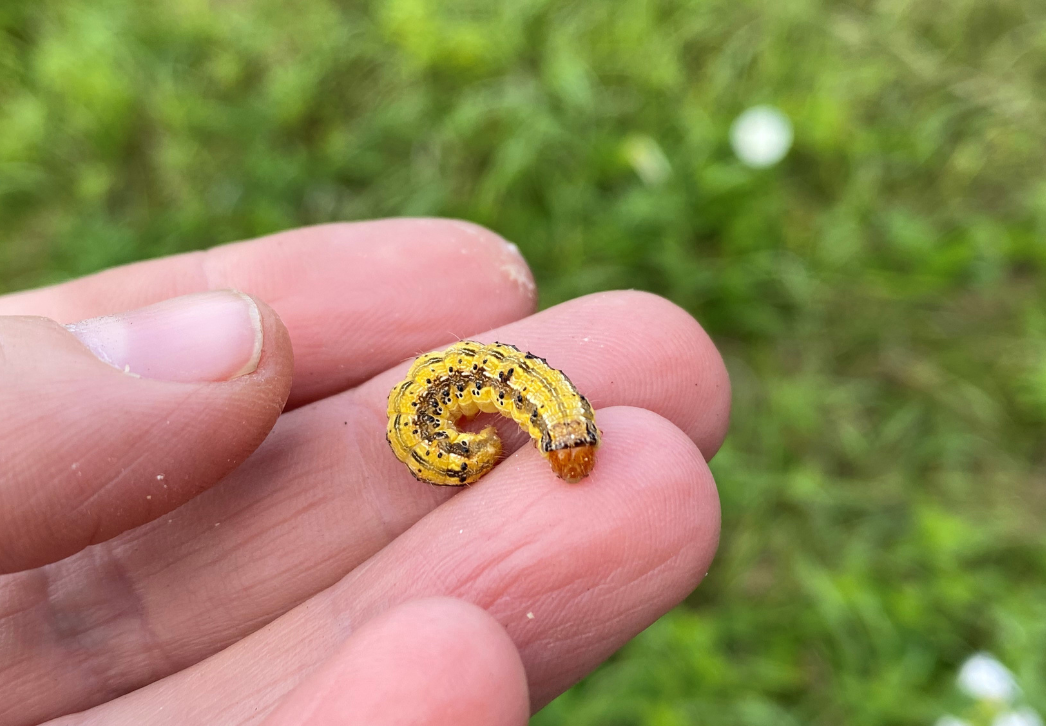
point(470, 377)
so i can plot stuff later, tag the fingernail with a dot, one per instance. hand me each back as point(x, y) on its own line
point(209, 336)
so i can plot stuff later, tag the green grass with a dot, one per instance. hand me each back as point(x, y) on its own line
point(879, 296)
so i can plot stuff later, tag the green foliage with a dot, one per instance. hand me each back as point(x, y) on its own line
point(879, 295)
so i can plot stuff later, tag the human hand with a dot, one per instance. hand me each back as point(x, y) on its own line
point(311, 582)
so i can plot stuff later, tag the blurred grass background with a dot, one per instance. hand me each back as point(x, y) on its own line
point(879, 295)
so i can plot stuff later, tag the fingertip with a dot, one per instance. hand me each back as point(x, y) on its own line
point(470, 634)
point(686, 350)
point(463, 248)
point(275, 364)
point(505, 256)
point(697, 352)
point(634, 348)
point(437, 661)
point(649, 449)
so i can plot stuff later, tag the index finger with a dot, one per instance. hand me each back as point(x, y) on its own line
point(356, 298)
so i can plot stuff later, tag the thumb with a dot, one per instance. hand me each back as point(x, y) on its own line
point(111, 422)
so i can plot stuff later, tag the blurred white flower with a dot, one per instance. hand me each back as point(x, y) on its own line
point(1020, 717)
point(648, 160)
point(983, 677)
point(950, 720)
point(761, 136)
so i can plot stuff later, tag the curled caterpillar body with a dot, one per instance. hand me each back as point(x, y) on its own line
point(471, 377)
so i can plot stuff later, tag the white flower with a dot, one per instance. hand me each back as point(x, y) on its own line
point(1020, 717)
point(983, 677)
point(761, 136)
point(950, 720)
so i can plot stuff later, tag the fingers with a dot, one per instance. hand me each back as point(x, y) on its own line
point(436, 662)
point(321, 496)
point(94, 443)
point(356, 298)
point(633, 349)
point(571, 571)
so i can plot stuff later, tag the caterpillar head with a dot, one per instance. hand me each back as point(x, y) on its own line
point(570, 448)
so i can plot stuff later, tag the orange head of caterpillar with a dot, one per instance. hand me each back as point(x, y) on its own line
point(573, 464)
point(570, 448)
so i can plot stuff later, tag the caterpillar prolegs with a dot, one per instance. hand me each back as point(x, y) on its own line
point(471, 377)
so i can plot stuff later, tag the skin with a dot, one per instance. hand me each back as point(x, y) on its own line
point(321, 534)
point(375, 676)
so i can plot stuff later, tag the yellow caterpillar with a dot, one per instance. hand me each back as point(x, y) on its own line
point(471, 377)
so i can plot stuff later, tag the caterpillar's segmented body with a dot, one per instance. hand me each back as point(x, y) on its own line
point(471, 377)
